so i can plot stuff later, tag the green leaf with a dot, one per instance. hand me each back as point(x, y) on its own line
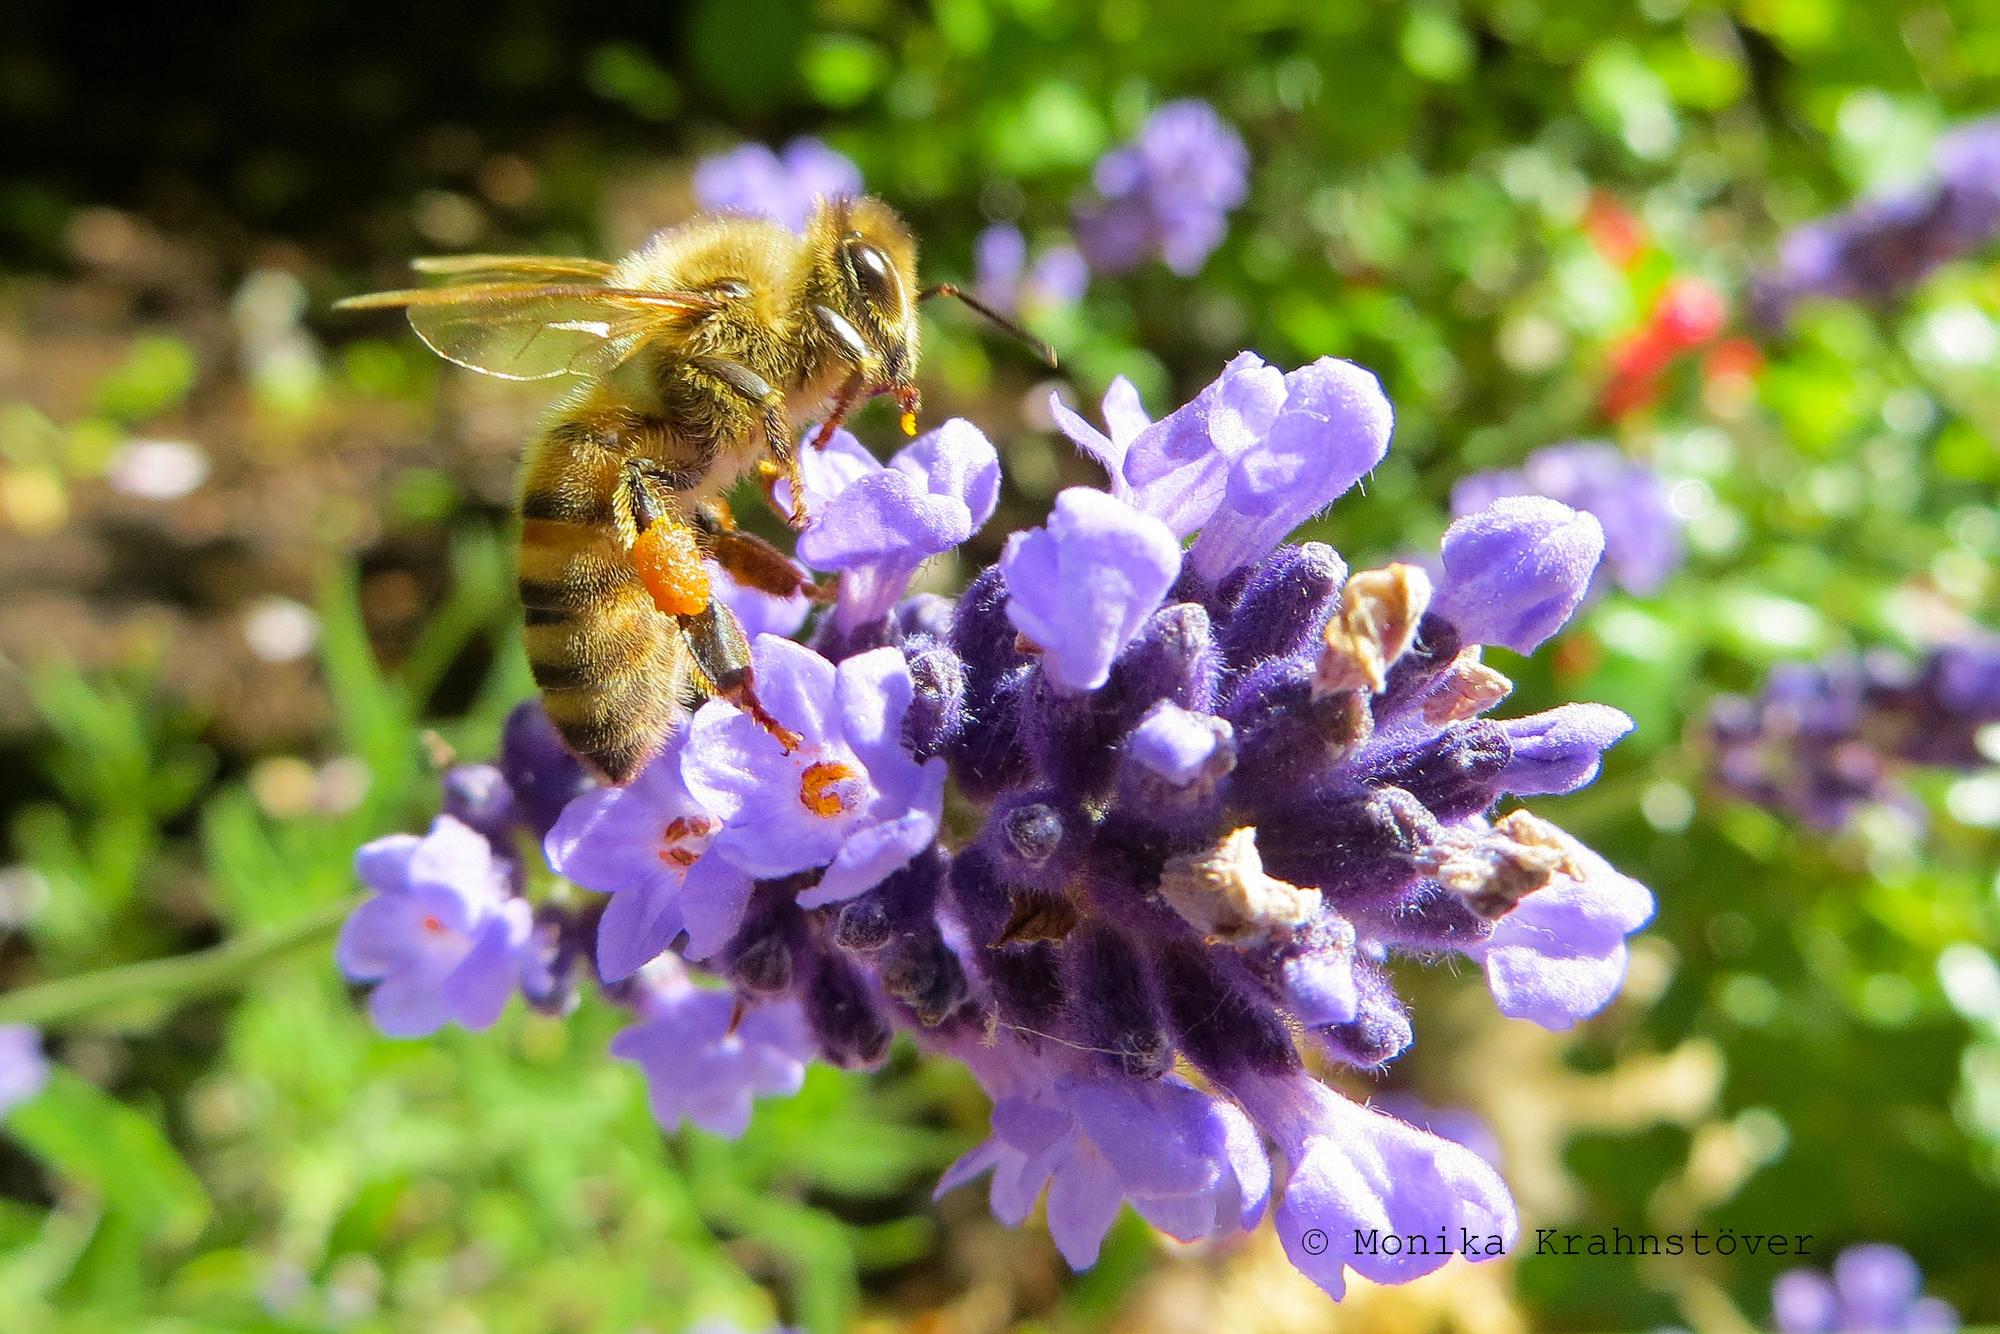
point(97, 1143)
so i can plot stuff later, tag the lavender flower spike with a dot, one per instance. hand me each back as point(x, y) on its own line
point(24, 1070)
point(878, 524)
point(1881, 247)
point(1201, 812)
point(849, 798)
point(752, 179)
point(1821, 740)
point(444, 938)
point(1081, 588)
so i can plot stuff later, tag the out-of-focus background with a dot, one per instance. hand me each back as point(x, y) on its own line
point(251, 550)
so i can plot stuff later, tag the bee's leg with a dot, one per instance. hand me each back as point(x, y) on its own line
point(668, 557)
point(843, 403)
point(757, 392)
point(666, 552)
point(722, 654)
point(750, 560)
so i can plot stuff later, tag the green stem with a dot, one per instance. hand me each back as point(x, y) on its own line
point(217, 968)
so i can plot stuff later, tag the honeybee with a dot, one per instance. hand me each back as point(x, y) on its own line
point(696, 355)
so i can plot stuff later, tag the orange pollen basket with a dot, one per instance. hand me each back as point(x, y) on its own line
point(669, 565)
point(679, 857)
point(819, 788)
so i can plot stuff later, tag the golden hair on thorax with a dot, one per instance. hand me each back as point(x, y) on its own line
point(697, 356)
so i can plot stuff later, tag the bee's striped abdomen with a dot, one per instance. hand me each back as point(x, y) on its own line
point(612, 670)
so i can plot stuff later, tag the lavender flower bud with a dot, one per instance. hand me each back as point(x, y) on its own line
point(1112, 1011)
point(1284, 604)
point(477, 795)
point(541, 773)
point(923, 973)
point(1515, 571)
point(850, 1031)
point(1219, 1025)
point(937, 708)
point(1380, 1030)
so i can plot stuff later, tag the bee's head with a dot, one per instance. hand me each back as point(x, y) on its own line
point(864, 293)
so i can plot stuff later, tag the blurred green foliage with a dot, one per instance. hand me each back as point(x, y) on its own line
point(228, 1145)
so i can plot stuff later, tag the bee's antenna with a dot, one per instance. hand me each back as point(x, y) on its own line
point(1041, 349)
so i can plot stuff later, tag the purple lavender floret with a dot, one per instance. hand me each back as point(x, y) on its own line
point(24, 1070)
point(750, 178)
point(1875, 1289)
point(1250, 458)
point(1190, 1164)
point(1206, 797)
point(1167, 194)
point(1822, 740)
point(877, 524)
point(655, 826)
point(848, 800)
point(705, 1055)
point(445, 938)
point(1881, 247)
point(1642, 534)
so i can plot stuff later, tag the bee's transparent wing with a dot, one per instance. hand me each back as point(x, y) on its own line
point(536, 331)
point(515, 268)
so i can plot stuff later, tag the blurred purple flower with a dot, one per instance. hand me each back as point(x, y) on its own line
point(877, 525)
point(706, 1056)
point(646, 844)
point(1167, 194)
point(24, 1070)
point(1642, 535)
point(443, 937)
point(1821, 740)
point(750, 178)
point(849, 798)
point(1004, 279)
point(1881, 247)
point(1876, 1289)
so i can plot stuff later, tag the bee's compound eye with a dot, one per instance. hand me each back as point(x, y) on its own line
point(872, 270)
